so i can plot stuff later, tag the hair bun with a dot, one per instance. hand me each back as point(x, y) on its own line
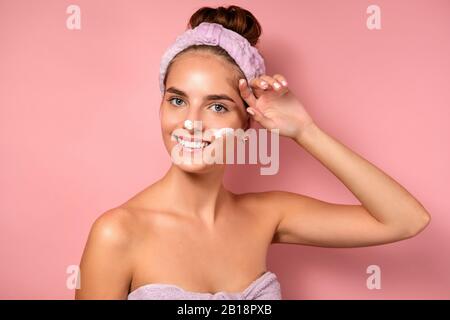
point(232, 17)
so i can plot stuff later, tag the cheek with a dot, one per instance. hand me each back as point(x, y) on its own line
point(239, 121)
point(169, 121)
point(231, 119)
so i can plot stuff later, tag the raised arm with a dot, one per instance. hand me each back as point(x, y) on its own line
point(105, 267)
point(388, 212)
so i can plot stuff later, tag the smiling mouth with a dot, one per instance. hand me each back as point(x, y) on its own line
point(191, 144)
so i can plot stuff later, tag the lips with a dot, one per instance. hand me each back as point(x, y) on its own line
point(190, 143)
point(189, 139)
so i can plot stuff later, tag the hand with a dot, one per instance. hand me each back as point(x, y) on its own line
point(274, 106)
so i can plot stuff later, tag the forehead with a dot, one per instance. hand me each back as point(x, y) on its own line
point(202, 71)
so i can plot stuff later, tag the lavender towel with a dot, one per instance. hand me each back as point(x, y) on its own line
point(266, 287)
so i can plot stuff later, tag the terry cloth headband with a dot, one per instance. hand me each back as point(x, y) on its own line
point(246, 56)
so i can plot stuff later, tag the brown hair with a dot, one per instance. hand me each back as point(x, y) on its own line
point(232, 17)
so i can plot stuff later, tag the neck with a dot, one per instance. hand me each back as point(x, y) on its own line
point(199, 195)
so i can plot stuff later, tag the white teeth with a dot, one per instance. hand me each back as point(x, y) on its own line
point(191, 144)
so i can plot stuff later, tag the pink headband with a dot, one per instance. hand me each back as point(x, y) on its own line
point(246, 56)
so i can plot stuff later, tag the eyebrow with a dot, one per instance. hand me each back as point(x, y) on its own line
point(207, 98)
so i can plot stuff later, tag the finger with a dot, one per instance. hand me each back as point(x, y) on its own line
point(281, 79)
point(275, 85)
point(259, 116)
point(280, 84)
point(246, 93)
point(259, 85)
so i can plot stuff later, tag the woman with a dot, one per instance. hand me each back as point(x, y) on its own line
point(186, 236)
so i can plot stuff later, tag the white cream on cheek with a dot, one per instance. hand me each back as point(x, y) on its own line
point(222, 131)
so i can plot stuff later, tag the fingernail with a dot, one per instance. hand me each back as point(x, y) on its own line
point(276, 85)
point(250, 111)
point(284, 83)
point(264, 84)
point(241, 81)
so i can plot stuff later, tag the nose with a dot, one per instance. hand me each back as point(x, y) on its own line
point(193, 120)
point(193, 126)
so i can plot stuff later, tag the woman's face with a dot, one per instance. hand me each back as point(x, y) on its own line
point(200, 87)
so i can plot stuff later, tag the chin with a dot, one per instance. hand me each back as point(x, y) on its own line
point(192, 162)
point(197, 168)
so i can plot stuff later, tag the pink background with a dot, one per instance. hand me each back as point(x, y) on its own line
point(79, 130)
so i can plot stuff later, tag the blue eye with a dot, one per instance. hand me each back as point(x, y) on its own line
point(218, 107)
point(170, 100)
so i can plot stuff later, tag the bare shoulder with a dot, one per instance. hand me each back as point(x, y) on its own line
point(270, 200)
point(255, 196)
point(265, 204)
point(105, 267)
point(113, 227)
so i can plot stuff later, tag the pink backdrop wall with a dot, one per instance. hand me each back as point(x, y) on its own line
point(79, 130)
